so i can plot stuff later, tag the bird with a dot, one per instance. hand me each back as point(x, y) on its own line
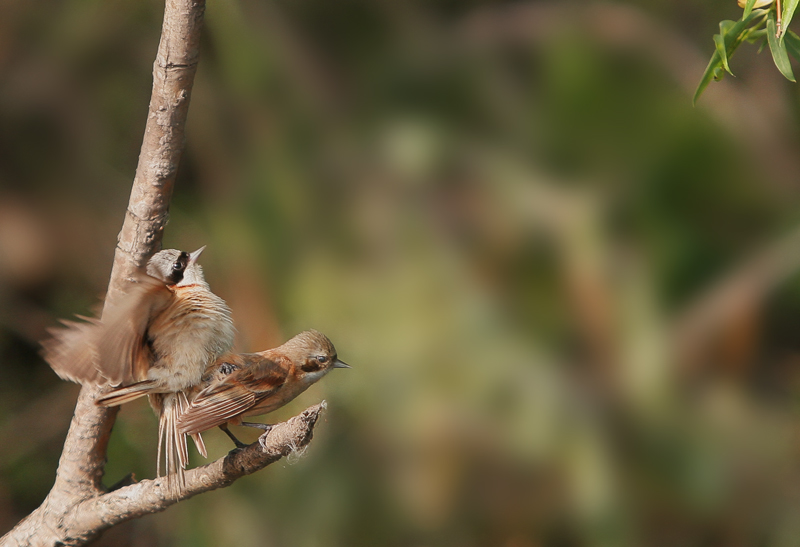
point(158, 340)
point(249, 384)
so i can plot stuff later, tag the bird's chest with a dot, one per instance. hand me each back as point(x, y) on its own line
point(190, 333)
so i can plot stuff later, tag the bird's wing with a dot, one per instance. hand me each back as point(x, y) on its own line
point(124, 355)
point(232, 395)
point(215, 409)
point(72, 352)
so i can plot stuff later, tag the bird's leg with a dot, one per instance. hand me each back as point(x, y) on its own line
point(237, 442)
point(263, 427)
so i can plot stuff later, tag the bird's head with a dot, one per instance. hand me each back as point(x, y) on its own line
point(313, 355)
point(175, 267)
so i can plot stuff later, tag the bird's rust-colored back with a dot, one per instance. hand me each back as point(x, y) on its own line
point(241, 381)
point(248, 384)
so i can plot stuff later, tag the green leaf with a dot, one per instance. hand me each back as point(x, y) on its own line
point(748, 7)
point(709, 75)
point(722, 51)
point(725, 26)
point(733, 34)
point(792, 42)
point(754, 35)
point(789, 7)
point(778, 48)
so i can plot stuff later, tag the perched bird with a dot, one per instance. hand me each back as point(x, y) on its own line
point(247, 384)
point(157, 341)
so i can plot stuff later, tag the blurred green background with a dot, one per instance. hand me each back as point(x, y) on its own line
point(571, 300)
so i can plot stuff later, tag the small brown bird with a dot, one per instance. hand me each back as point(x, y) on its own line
point(157, 341)
point(247, 384)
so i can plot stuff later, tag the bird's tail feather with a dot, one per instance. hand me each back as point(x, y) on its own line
point(172, 444)
point(183, 404)
point(200, 444)
point(122, 395)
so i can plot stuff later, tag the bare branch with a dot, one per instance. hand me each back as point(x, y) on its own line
point(162, 145)
point(152, 496)
point(76, 523)
point(79, 476)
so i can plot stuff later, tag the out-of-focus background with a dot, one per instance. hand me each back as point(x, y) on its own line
point(571, 301)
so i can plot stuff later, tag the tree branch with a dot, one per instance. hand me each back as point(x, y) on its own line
point(162, 145)
point(85, 517)
point(78, 508)
point(151, 496)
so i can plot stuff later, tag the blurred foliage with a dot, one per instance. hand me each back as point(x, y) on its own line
point(570, 300)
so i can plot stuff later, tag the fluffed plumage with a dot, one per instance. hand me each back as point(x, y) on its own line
point(157, 340)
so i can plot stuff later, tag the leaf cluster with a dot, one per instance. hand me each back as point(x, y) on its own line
point(768, 26)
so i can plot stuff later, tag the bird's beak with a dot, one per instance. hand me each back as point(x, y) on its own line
point(340, 364)
point(195, 255)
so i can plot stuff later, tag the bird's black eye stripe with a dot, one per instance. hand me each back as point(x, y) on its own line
point(182, 261)
point(315, 363)
point(310, 366)
point(178, 268)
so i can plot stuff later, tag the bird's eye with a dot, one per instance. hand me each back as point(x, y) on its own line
point(177, 266)
point(322, 359)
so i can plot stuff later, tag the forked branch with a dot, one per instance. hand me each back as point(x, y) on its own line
point(78, 508)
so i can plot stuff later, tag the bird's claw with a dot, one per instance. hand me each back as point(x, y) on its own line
point(262, 439)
